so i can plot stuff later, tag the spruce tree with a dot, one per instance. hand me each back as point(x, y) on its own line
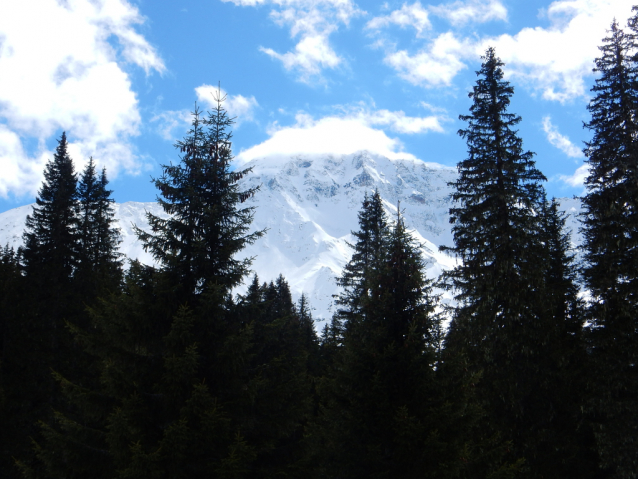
point(279, 364)
point(207, 225)
point(99, 261)
point(50, 238)
point(610, 224)
point(368, 258)
point(380, 405)
point(49, 260)
point(502, 323)
point(177, 389)
point(18, 377)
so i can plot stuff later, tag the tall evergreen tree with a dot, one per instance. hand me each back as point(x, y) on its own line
point(279, 364)
point(502, 322)
point(50, 239)
point(207, 225)
point(177, 390)
point(18, 412)
point(367, 260)
point(610, 230)
point(99, 261)
point(49, 260)
point(380, 406)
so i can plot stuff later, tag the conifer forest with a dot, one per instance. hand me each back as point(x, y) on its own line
point(115, 369)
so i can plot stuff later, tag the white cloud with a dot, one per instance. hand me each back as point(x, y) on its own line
point(556, 60)
point(19, 173)
point(578, 178)
point(340, 135)
point(561, 142)
point(67, 76)
point(414, 16)
point(435, 65)
point(311, 22)
point(168, 121)
point(398, 121)
point(477, 11)
point(238, 106)
point(328, 135)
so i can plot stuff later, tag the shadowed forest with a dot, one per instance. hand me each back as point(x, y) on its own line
point(114, 370)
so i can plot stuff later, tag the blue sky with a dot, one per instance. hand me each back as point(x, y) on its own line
point(330, 76)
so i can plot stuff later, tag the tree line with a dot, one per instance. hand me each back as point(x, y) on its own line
point(164, 372)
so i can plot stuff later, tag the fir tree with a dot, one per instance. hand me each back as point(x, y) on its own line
point(177, 389)
point(207, 224)
point(18, 410)
point(379, 410)
point(503, 324)
point(100, 263)
point(367, 260)
point(279, 362)
point(50, 239)
point(610, 223)
point(49, 260)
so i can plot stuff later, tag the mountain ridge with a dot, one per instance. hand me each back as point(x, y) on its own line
point(309, 204)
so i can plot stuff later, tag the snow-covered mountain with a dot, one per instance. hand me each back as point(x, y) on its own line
point(309, 204)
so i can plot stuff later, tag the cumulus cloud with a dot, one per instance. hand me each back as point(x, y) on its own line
point(555, 60)
point(561, 142)
point(340, 135)
point(311, 22)
point(478, 11)
point(20, 173)
point(69, 77)
point(168, 121)
point(578, 178)
point(328, 135)
point(435, 65)
point(414, 16)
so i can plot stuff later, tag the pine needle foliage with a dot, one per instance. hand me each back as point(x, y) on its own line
point(50, 239)
point(610, 230)
point(509, 325)
point(206, 224)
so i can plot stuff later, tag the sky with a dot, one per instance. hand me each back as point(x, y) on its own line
point(121, 78)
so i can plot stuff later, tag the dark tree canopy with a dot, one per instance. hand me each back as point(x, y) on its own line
point(513, 284)
point(207, 225)
point(610, 230)
point(50, 239)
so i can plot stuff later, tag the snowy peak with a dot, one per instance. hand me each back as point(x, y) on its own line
point(309, 204)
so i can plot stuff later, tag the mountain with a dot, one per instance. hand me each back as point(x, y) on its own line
point(309, 203)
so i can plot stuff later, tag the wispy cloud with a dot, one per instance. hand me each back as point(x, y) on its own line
point(414, 16)
point(531, 55)
point(557, 59)
point(397, 121)
point(172, 124)
point(311, 22)
point(238, 106)
point(561, 142)
point(472, 11)
point(435, 65)
point(578, 178)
